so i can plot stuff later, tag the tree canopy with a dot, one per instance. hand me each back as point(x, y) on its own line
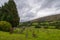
point(9, 13)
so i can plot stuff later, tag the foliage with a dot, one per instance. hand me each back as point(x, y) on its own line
point(5, 26)
point(35, 23)
point(41, 34)
point(9, 13)
point(46, 24)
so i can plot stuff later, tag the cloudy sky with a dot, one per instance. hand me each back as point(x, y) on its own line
point(32, 9)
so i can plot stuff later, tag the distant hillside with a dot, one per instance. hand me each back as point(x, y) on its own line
point(52, 21)
point(47, 18)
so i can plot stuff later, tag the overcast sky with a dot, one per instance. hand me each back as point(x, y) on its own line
point(32, 9)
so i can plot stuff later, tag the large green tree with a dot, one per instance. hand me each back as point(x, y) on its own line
point(9, 13)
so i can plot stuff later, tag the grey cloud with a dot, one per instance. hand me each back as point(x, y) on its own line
point(46, 3)
point(27, 14)
point(30, 14)
point(2, 2)
point(29, 9)
point(50, 3)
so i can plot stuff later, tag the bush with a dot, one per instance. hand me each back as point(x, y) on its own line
point(45, 27)
point(5, 26)
point(51, 27)
point(17, 30)
point(37, 26)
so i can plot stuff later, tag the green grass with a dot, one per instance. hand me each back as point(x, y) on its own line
point(40, 34)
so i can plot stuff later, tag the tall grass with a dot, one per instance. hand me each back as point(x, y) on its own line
point(31, 34)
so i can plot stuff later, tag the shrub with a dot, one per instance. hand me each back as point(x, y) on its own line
point(17, 30)
point(37, 26)
point(51, 27)
point(5, 26)
point(45, 27)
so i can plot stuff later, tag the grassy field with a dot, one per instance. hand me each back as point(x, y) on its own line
point(32, 34)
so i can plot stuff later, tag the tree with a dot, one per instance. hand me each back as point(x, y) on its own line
point(9, 13)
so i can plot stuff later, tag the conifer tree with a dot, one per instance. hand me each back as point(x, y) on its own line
point(10, 13)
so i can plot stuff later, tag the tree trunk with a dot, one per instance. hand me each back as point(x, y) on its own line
point(11, 30)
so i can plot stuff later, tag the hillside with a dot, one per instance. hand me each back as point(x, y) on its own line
point(47, 18)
